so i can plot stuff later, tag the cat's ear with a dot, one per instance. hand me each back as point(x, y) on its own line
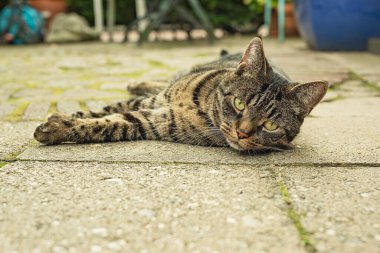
point(253, 60)
point(308, 95)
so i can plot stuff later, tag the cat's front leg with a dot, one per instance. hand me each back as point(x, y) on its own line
point(62, 128)
point(55, 130)
point(136, 125)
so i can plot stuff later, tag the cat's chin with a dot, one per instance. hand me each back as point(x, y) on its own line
point(236, 146)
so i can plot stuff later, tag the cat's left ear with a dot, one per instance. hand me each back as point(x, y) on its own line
point(253, 61)
point(308, 95)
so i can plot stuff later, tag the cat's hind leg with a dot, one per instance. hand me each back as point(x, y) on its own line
point(147, 99)
point(133, 104)
point(119, 107)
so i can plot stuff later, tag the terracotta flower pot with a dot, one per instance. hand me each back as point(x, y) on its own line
point(290, 21)
point(49, 8)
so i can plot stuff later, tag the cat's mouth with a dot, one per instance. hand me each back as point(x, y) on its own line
point(233, 140)
point(239, 144)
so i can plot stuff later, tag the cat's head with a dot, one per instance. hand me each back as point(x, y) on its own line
point(261, 108)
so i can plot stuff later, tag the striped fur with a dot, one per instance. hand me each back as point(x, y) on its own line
point(197, 108)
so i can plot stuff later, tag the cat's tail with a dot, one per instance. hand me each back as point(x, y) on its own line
point(224, 52)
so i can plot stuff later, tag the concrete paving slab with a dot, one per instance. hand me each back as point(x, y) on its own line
point(95, 105)
point(320, 142)
point(339, 206)
point(68, 106)
point(14, 137)
point(353, 89)
point(39, 94)
point(94, 207)
point(6, 109)
point(363, 64)
point(37, 110)
point(358, 107)
point(90, 94)
point(4, 95)
point(113, 86)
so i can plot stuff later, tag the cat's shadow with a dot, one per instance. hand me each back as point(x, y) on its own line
point(266, 152)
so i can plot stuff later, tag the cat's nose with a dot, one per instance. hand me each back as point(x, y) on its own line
point(242, 134)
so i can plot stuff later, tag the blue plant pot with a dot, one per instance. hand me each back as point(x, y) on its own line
point(338, 24)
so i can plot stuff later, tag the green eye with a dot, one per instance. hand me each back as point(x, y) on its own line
point(239, 104)
point(270, 126)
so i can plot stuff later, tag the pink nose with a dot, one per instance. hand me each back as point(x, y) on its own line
point(242, 134)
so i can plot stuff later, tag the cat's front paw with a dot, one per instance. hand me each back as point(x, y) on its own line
point(55, 130)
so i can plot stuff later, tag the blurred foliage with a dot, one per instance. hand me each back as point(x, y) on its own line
point(125, 10)
point(222, 13)
point(3, 3)
point(233, 13)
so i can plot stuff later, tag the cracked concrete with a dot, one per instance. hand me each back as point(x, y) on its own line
point(322, 196)
point(157, 208)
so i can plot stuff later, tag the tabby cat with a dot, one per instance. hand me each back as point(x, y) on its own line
point(241, 101)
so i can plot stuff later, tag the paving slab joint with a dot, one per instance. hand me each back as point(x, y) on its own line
point(17, 114)
point(330, 100)
point(353, 76)
point(294, 216)
point(83, 106)
point(53, 107)
point(12, 157)
point(2, 164)
point(367, 84)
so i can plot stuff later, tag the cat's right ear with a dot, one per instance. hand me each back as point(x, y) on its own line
point(308, 95)
point(253, 61)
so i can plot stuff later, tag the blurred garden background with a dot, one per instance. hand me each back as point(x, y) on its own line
point(324, 25)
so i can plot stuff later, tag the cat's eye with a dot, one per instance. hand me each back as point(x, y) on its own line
point(270, 126)
point(239, 104)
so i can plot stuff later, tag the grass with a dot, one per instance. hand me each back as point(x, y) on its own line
point(296, 219)
point(71, 68)
point(371, 86)
point(157, 64)
point(95, 86)
point(200, 55)
point(12, 156)
point(352, 76)
point(53, 107)
point(367, 84)
point(58, 90)
point(112, 63)
point(18, 112)
point(339, 97)
point(2, 164)
point(83, 106)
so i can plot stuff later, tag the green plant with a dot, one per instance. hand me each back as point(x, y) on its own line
point(124, 10)
point(233, 12)
point(226, 13)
